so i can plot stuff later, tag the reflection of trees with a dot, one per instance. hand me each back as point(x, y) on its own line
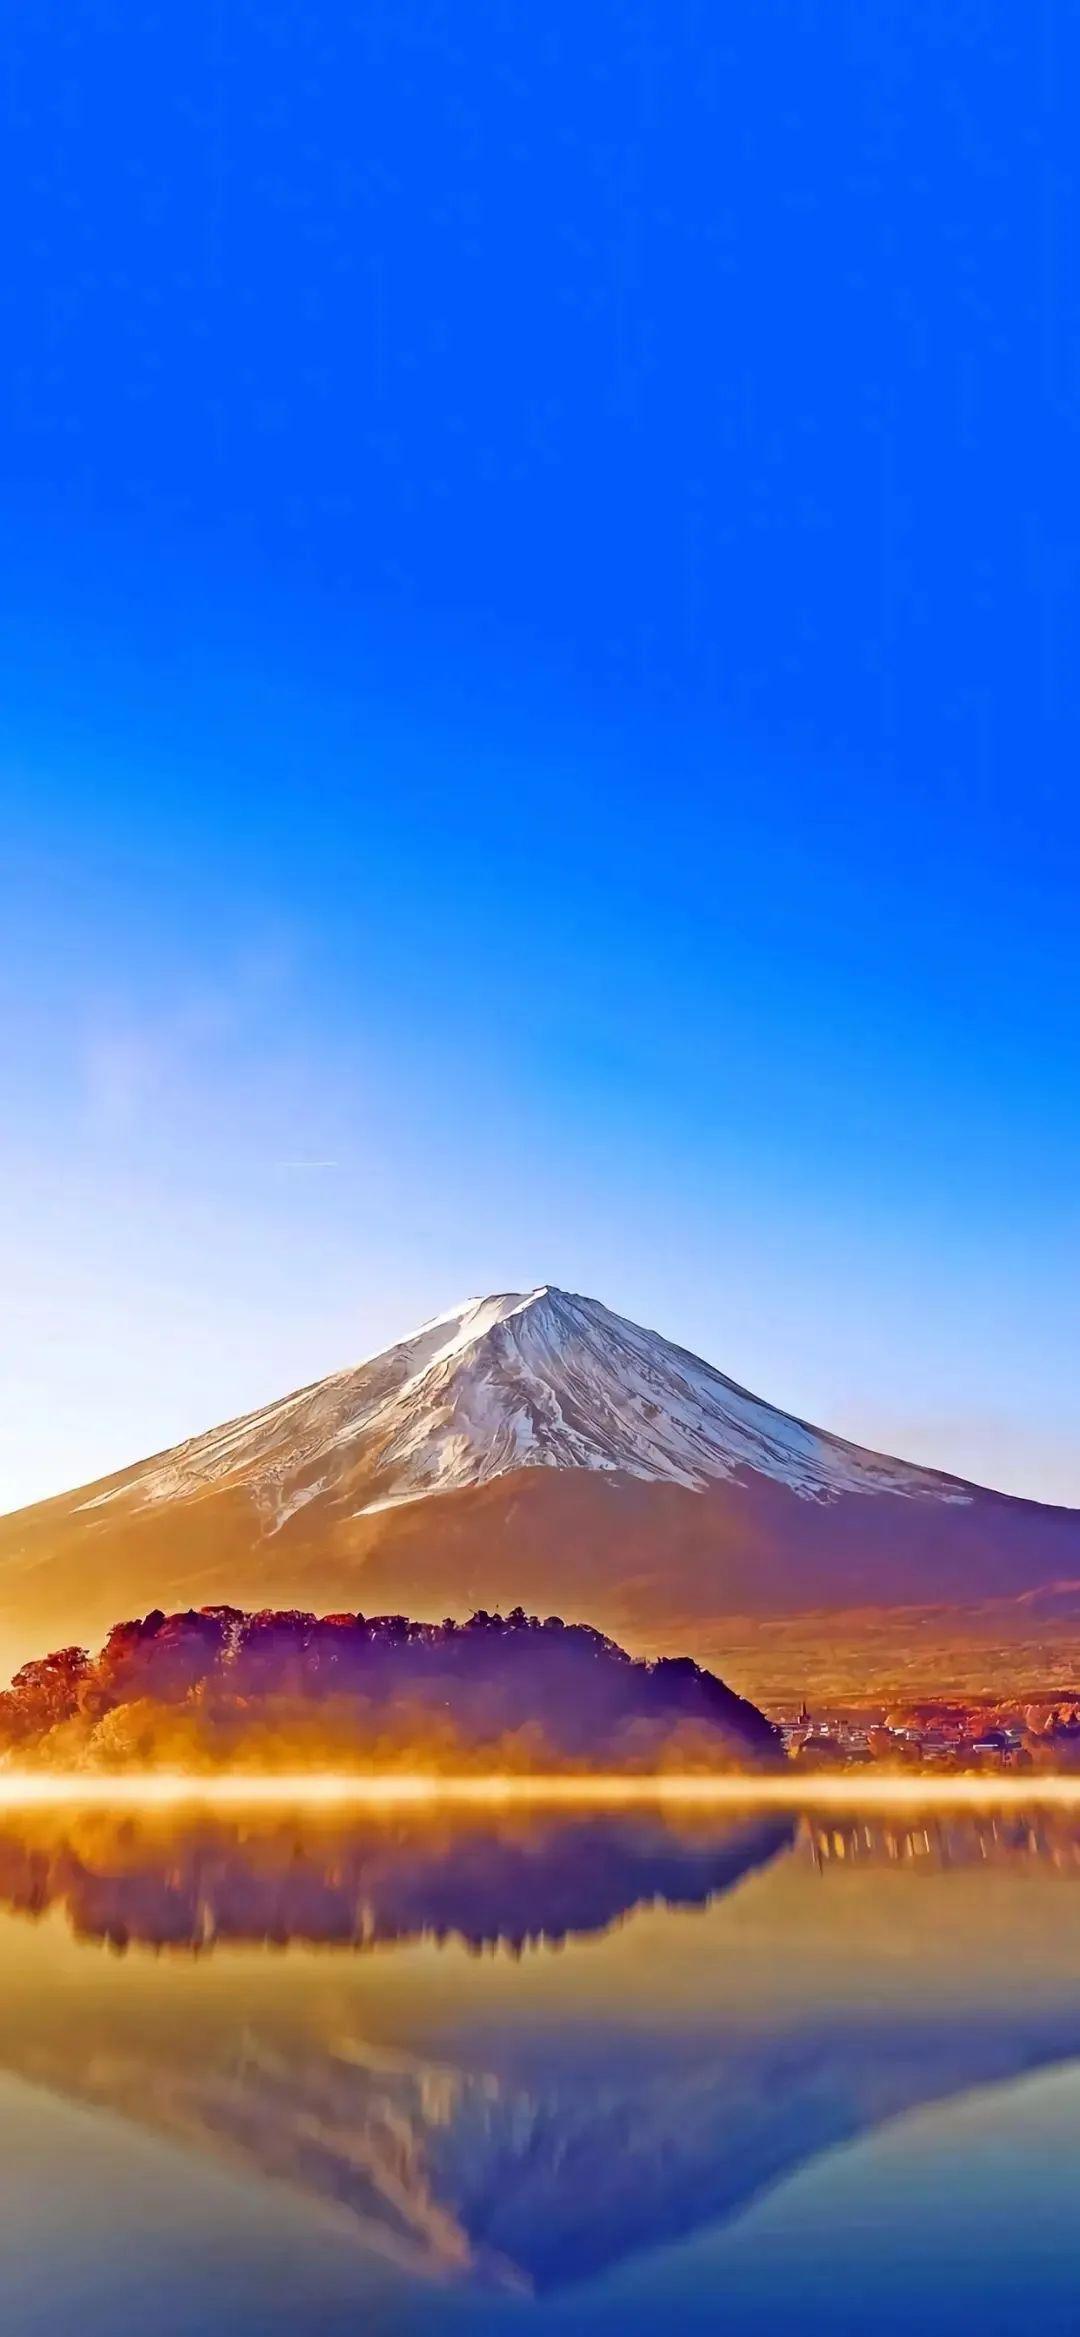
point(1036, 1837)
point(515, 1880)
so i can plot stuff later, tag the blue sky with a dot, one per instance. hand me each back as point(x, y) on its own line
point(539, 726)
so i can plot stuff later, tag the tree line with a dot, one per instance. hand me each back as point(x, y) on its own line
point(218, 1684)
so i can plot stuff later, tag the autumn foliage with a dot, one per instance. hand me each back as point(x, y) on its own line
point(216, 1687)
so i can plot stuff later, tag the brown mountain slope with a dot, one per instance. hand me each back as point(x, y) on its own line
point(541, 1451)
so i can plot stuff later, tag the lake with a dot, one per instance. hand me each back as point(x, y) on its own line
point(538, 2073)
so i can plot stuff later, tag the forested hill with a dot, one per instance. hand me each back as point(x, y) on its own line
point(216, 1685)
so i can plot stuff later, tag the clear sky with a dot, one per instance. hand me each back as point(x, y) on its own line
point(538, 740)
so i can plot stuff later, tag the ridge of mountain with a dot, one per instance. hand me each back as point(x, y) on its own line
point(536, 1379)
point(535, 1448)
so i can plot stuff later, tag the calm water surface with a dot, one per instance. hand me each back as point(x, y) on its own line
point(538, 2074)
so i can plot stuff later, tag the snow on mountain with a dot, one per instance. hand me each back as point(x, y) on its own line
point(532, 1447)
point(539, 1379)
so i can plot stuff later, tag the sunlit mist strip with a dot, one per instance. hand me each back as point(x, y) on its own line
point(314, 1789)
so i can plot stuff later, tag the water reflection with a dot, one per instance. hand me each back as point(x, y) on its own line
point(369, 1882)
point(1035, 1838)
point(518, 1881)
point(732, 2001)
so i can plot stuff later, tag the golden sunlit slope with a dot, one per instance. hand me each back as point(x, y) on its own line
point(538, 1449)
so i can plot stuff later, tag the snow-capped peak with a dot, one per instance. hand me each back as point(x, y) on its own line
point(465, 1324)
point(516, 1380)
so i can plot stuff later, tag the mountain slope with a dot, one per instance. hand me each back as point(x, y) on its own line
point(535, 1447)
point(534, 1380)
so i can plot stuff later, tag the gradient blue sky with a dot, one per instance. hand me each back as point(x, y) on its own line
point(539, 728)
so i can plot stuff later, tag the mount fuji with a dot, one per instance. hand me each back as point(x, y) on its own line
point(534, 1447)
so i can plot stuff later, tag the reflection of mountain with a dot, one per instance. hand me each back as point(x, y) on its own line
point(535, 2157)
point(361, 1883)
point(463, 2172)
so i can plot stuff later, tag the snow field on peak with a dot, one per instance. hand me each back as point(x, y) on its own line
point(536, 1379)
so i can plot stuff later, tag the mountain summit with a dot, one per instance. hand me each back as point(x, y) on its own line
point(537, 1379)
point(531, 1446)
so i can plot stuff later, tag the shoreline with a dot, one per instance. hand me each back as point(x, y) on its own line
point(317, 1790)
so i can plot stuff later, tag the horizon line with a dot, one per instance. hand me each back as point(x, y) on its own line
point(173, 1789)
